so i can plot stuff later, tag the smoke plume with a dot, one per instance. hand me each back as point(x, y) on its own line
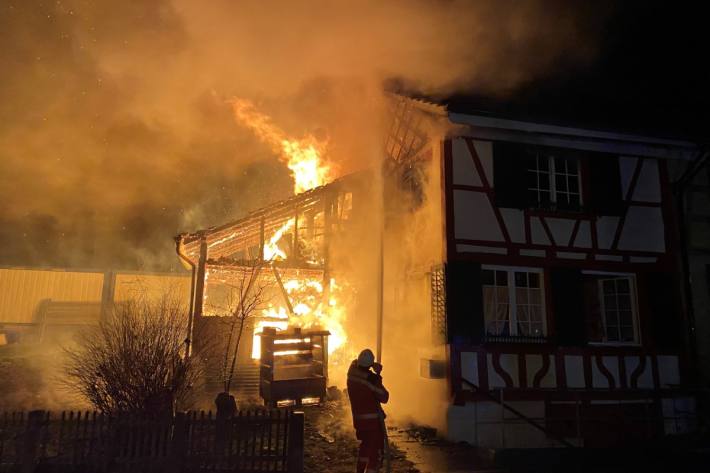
point(115, 127)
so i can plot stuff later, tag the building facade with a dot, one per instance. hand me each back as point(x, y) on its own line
point(562, 285)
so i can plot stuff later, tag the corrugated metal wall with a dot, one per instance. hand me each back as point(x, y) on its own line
point(23, 290)
point(153, 286)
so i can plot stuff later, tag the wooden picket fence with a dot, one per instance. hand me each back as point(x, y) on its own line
point(253, 441)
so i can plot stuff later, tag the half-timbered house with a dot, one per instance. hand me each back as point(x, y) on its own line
point(555, 297)
point(562, 284)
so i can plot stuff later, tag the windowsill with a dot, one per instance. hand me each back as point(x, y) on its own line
point(515, 339)
point(615, 344)
point(559, 212)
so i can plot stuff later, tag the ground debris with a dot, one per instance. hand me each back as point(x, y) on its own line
point(330, 443)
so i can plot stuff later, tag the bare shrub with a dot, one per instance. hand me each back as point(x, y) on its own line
point(247, 294)
point(135, 360)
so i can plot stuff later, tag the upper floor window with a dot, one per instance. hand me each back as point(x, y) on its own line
point(610, 303)
point(553, 181)
point(529, 176)
point(513, 302)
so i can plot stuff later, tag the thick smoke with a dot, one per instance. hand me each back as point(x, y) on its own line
point(115, 133)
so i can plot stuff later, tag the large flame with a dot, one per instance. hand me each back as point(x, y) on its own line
point(303, 157)
point(310, 310)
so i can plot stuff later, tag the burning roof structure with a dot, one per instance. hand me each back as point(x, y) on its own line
point(293, 240)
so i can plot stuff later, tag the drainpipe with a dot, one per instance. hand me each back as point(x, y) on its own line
point(191, 314)
point(679, 189)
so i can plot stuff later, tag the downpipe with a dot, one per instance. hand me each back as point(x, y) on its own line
point(193, 268)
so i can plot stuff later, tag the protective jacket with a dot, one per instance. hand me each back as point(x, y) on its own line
point(366, 393)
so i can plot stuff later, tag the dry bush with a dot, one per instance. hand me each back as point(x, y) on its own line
point(247, 293)
point(134, 361)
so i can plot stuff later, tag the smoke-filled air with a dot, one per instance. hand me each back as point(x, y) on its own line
point(118, 120)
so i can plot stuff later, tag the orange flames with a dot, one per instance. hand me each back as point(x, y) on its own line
point(303, 157)
point(311, 306)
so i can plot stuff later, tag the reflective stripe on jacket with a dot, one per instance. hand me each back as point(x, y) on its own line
point(366, 392)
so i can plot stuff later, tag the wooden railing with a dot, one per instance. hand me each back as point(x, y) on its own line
point(252, 441)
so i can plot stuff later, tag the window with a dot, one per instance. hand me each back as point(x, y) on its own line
point(553, 181)
point(610, 304)
point(513, 302)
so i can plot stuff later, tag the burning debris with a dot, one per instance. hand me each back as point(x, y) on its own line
point(294, 367)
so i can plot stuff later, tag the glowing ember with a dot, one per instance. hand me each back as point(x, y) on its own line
point(259, 328)
point(303, 157)
point(310, 311)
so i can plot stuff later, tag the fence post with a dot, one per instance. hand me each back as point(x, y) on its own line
point(178, 447)
point(295, 442)
point(32, 436)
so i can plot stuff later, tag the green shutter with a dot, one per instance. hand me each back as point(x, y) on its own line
point(567, 304)
point(605, 179)
point(509, 175)
point(464, 302)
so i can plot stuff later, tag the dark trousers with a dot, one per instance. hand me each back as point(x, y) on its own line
point(370, 454)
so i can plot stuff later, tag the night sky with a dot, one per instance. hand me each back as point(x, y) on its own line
point(651, 76)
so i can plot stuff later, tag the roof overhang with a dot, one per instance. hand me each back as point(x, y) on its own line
point(499, 129)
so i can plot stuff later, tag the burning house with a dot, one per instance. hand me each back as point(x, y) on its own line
point(528, 281)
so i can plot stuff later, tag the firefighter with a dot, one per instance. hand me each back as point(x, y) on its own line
point(366, 394)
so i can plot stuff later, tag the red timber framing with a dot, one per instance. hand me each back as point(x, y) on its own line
point(545, 371)
point(559, 374)
point(591, 257)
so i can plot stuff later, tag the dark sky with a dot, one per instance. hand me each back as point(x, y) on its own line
point(651, 75)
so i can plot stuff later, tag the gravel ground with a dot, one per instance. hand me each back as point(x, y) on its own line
point(331, 446)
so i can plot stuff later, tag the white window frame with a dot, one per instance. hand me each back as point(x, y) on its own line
point(552, 174)
point(634, 306)
point(512, 296)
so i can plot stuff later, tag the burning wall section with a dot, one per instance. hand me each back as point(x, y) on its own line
point(292, 242)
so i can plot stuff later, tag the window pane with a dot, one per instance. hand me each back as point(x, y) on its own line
point(625, 302)
point(521, 296)
point(533, 280)
point(521, 279)
point(524, 329)
point(544, 182)
point(612, 319)
point(612, 334)
point(560, 165)
point(522, 313)
point(533, 197)
point(573, 184)
point(502, 295)
point(501, 278)
point(610, 303)
point(502, 312)
point(542, 163)
point(535, 313)
point(561, 183)
point(627, 333)
point(609, 287)
point(626, 317)
point(535, 297)
point(487, 277)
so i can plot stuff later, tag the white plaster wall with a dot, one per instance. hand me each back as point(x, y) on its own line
point(487, 424)
point(474, 218)
point(464, 170)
